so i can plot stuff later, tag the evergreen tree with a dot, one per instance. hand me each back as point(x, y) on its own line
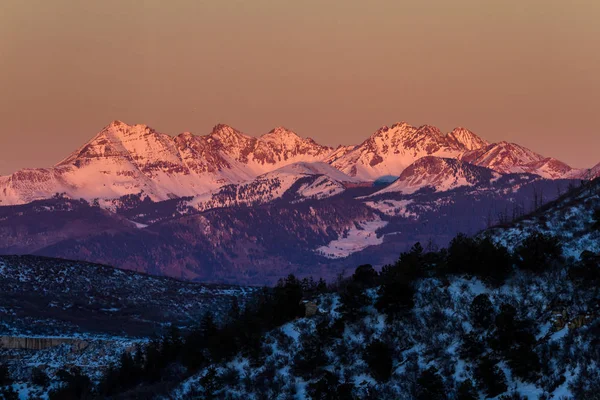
point(153, 361)
point(5, 378)
point(310, 358)
point(39, 377)
point(396, 296)
point(482, 312)
point(287, 303)
point(210, 384)
point(538, 252)
point(74, 386)
point(430, 386)
point(596, 219)
point(472, 347)
point(378, 356)
point(466, 391)
point(234, 311)
point(490, 379)
point(365, 276)
point(352, 300)
point(321, 286)
point(9, 393)
point(325, 388)
point(482, 258)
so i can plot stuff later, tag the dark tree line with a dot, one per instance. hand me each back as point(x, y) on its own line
point(210, 342)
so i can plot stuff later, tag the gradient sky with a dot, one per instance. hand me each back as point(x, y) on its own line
point(526, 71)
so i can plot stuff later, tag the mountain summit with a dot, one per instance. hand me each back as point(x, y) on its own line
point(392, 149)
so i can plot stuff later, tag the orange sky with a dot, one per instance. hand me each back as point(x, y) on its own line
point(526, 71)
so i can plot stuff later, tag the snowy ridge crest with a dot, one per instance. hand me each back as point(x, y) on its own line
point(127, 159)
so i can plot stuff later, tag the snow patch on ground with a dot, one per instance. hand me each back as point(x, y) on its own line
point(356, 239)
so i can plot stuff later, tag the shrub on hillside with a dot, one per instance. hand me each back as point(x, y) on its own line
point(515, 340)
point(430, 386)
point(39, 377)
point(74, 385)
point(490, 379)
point(310, 358)
point(5, 378)
point(378, 356)
point(396, 296)
point(482, 312)
point(365, 275)
point(328, 387)
point(466, 391)
point(538, 252)
point(587, 270)
point(479, 257)
point(352, 300)
point(596, 219)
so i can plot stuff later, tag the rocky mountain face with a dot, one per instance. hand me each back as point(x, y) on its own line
point(391, 149)
point(590, 174)
point(297, 182)
point(123, 160)
point(507, 157)
point(440, 174)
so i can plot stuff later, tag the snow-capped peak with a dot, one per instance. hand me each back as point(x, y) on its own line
point(503, 157)
point(440, 174)
point(391, 149)
point(227, 134)
point(280, 131)
point(468, 139)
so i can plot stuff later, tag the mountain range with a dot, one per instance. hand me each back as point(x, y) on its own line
point(228, 207)
point(124, 159)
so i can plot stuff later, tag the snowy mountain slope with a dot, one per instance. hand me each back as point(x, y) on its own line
point(467, 139)
point(570, 218)
point(435, 350)
point(391, 149)
point(124, 159)
point(502, 157)
point(362, 235)
point(587, 174)
point(441, 174)
point(507, 158)
point(295, 181)
point(242, 244)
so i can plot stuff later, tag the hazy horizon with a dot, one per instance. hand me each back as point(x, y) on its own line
point(524, 72)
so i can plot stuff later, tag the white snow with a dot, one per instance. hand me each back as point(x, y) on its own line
point(356, 239)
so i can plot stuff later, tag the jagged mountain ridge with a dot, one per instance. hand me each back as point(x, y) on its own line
point(390, 150)
point(124, 159)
